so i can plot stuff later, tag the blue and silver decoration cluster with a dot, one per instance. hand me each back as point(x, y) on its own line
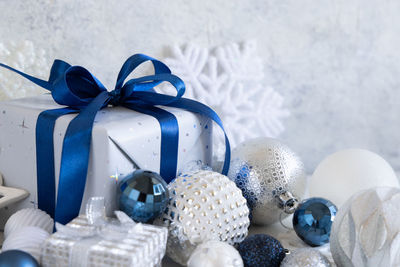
point(272, 179)
point(143, 195)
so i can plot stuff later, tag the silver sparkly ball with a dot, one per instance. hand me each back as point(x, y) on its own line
point(305, 257)
point(265, 169)
point(204, 205)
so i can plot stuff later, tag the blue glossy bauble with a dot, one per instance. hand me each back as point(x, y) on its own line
point(17, 258)
point(261, 251)
point(143, 195)
point(313, 220)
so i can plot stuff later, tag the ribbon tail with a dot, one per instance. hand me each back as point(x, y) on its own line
point(169, 139)
point(46, 189)
point(75, 160)
point(40, 82)
point(202, 109)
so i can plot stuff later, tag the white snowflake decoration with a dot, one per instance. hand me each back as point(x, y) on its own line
point(230, 80)
point(24, 57)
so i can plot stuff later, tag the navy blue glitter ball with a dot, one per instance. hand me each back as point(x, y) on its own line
point(144, 195)
point(261, 251)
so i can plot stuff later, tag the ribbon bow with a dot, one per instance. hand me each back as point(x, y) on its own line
point(81, 92)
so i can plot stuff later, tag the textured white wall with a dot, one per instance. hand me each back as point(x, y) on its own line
point(337, 63)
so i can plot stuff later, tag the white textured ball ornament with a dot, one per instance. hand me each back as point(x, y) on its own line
point(215, 254)
point(366, 230)
point(204, 205)
point(305, 257)
point(264, 168)
point(28, 217)
point(346, 172)
point(29, 239)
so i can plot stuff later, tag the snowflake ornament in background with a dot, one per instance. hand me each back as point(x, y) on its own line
point(229, 79)
point(24, 57)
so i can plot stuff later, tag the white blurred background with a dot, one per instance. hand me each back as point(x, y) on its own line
point(336, 64)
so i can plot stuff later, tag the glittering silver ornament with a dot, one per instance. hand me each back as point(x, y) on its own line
point(270, 176)
point(215, 254)
point(366, 229)
point(204, 205)
point(305, 257)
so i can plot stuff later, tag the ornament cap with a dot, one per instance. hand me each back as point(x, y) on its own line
point(287, 202)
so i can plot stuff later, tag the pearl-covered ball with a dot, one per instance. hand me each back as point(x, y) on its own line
point(215, 254)
point(204, 205)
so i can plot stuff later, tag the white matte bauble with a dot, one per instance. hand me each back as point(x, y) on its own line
point(346, 172)
point(264, 168)
point(204, 205)
point(29, 239)
point(28, 217)
point(215, 254)
point(366, 229)
point(305, 257)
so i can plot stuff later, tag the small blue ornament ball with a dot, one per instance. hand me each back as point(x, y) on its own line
point(143, 195)
point(312, 220)
point(261, 251)
point(17, 258)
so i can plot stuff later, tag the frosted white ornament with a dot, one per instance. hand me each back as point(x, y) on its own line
point(204, 205)
point(29, 239)
point(305, 257)
point(346, 172)
point(215, 254)
point(366, 229)
point(28, 217)
point(229, 79)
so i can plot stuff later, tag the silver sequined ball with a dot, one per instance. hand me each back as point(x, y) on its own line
point(204, 205)
point(305, 257)
point(264, 169)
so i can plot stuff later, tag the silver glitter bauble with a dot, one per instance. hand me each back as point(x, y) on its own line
point(366, 229)
point(215, 254)
point(265, 169)
point(204, 205)
point(305, 257)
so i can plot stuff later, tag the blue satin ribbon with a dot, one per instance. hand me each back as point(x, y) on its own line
point(82, 93)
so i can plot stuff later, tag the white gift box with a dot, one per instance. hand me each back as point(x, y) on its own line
point(142, 245)
point(136, 133)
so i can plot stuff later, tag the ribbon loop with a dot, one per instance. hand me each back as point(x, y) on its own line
point(133, 62)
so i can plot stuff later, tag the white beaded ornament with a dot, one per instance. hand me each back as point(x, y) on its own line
point(28, 217)
point(204, 205)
